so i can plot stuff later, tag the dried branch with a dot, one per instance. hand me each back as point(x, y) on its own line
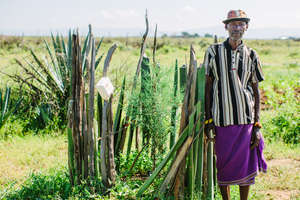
point(108, 58)
point(138, 69)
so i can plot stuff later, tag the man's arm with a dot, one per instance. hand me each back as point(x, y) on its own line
point(208, 89)
point(256, 135)
point(208, 103)
point(256, 101)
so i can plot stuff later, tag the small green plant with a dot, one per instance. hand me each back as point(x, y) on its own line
point(142, 167)
point(293, 54)
point(293, 65)
point(203, 44)
point(265, 51)
point(7, 108)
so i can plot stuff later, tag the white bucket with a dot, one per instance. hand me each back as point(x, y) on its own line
point(105, 88)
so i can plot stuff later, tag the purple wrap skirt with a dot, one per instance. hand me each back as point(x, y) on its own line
point(236, 163)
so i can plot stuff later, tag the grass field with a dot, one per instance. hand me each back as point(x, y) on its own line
point(22, 154)
point(46, 154)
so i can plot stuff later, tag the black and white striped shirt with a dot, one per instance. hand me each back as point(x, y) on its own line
point(233, 72)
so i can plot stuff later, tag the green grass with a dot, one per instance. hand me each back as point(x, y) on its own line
point(30, 163)
point(21, 155)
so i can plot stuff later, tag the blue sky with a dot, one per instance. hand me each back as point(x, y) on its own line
point(121, 17)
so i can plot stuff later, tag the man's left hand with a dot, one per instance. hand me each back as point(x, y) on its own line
point(255, 137)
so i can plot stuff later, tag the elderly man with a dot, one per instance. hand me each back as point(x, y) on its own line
point(233, 72)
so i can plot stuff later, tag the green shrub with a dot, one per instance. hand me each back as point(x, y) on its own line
point(54, 185)
point(142, 166)
point(287, 127)
point(293, 65)
point(284, 125)
point(40, 186)
point(13, 127)
point(293, 54)
point(265, 52)
point(10, 42)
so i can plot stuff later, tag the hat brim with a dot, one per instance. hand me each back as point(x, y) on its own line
point(243, 19)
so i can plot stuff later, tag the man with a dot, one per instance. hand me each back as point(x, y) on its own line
point(233, 72)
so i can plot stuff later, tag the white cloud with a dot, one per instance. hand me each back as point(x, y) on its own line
point(118, 13)
point(188, 8)
point(114, 18)
point(126, 13)
point(187, 17)
point(106, 14)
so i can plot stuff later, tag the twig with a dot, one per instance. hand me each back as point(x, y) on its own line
point(154, 45)
point(131, 167)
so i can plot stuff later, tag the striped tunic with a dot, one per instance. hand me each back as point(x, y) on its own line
point(232, 72)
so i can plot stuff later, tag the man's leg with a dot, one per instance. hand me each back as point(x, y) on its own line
point(225, 192)
point(244, 191)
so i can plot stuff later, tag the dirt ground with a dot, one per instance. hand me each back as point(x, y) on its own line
point(282, 181)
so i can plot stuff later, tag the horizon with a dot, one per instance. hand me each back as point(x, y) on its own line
point(139, 33)
point(269, 20)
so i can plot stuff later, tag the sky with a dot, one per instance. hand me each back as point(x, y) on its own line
point(269, 18)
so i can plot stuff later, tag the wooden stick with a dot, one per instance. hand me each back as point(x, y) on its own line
point(129, 110)
point(178, 160)
point(91, 110)
point(154, 46)
point(76, 91)
point(103, 145)
point(138, 68)
point(110, 144)
point(181, 139)
point(187, 107)
point(107, 169)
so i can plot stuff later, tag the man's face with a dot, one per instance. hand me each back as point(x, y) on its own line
point(236, 29)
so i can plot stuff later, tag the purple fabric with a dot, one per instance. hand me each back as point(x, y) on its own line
point(236, 163)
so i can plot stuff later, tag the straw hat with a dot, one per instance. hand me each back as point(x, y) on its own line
point(236, 15)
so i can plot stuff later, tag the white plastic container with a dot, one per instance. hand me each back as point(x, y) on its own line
point(105, 88)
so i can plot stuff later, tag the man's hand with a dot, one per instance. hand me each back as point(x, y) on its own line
point(255, 137)
point(208, 127)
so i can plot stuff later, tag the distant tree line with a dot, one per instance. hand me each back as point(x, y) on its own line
point(186, 34)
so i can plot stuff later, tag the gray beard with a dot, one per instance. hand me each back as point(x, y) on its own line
point(235, 38)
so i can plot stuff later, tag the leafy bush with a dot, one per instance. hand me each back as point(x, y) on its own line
point(143, 165)
point(203, 44)
point(287, 127)
point(293, 54)
point(39, 186)
point(265, 52)
point(10, 42)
